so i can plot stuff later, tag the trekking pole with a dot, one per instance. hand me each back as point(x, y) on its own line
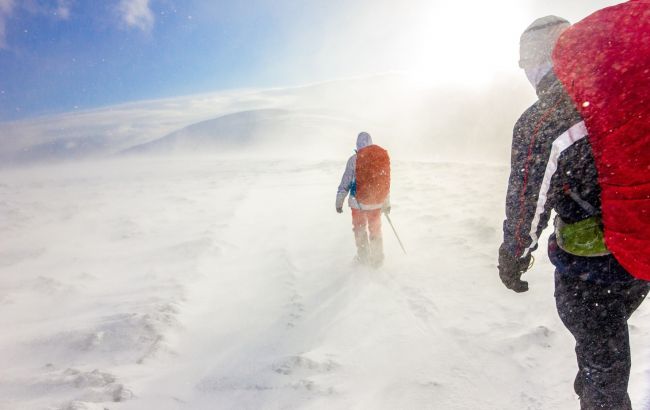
point(395, 232)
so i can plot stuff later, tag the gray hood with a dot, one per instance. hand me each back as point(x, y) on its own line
point(363, 140)
point(538, 40)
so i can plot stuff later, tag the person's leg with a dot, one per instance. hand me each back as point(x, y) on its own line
point(634, 295)
point(596, 316)
point(595, 297)
point(376, 240)
point(359, 227)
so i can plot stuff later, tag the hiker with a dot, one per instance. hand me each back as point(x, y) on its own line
point(554, 166)
point(367, 179)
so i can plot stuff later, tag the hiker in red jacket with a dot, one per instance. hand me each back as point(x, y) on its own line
point(583, 151)
point(367, 180)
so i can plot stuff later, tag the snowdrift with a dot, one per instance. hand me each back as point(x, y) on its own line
point(211, 283)
point(183, 266)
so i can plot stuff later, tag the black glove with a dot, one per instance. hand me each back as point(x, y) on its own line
point(511, 269)
point(339, 209)
point(386, 210)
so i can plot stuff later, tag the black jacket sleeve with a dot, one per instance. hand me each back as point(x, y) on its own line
point(529, 200)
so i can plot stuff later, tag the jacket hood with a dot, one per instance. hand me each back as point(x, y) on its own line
point(538, 41)
point(363, 140)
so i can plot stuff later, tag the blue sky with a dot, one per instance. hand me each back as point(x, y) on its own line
point(66, 55)
point(60, 56)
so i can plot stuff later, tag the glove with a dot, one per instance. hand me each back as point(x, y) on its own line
point(386, 210)
point(511, 269)
point(339, 209)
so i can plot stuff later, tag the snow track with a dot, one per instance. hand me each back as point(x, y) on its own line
point(213, 284)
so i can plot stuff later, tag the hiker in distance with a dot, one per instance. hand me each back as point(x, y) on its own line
point(562, 161)
point(367, 180)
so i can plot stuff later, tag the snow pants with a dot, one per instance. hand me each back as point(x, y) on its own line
point(366, 226)
point(596, 313)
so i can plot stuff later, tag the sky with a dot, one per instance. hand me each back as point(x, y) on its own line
point(67, 55)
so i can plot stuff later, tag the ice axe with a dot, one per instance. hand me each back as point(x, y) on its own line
point(395, 232)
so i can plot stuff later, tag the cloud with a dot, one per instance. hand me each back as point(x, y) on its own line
point(6, 8)
point(137, 14)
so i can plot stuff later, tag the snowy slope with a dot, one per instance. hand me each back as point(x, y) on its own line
point(314, 121)
point(264, 131)
point(209, 283)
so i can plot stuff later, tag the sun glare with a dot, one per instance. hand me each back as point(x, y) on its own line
point(454, 42)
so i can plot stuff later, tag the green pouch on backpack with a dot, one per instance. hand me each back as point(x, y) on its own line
point(583, 238)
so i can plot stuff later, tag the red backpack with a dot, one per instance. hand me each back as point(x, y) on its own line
point(372, 175)
point(603, 63)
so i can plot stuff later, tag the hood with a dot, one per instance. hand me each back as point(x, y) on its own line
point(363, 140)
point(538, 40)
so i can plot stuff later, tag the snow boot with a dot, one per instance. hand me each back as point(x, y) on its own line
point(376, 252)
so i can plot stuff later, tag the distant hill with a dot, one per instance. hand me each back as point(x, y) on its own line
point(445, 122)
point(222, 132)
point(251, 130)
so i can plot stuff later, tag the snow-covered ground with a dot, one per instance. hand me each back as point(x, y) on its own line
point(212, 283)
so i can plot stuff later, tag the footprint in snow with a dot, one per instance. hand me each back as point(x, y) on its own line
point(296, 310)
point(421, 306)
point(87, 387)
point(303, 365)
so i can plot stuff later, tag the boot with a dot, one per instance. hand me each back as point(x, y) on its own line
point(363, 254)
point(376, 252)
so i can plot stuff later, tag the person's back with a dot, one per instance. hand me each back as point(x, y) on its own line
point(367, 179)
point(554, 167)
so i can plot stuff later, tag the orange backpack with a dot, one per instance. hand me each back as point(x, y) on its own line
point(372, 175)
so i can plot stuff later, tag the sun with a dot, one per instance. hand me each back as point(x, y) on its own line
point(464, 43)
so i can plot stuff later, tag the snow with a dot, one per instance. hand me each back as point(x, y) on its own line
point(208, 282)
point(186, 254)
